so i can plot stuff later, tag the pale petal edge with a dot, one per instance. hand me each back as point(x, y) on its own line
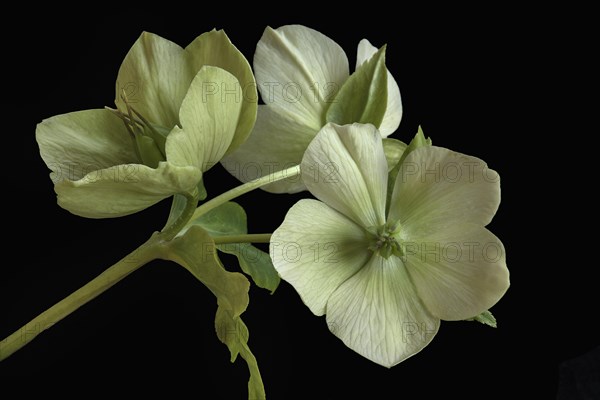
point(316, 249)
point(124, 189)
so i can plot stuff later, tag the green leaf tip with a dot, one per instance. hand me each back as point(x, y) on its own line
point(370, 80)
point(485, 318)
point(230, 219)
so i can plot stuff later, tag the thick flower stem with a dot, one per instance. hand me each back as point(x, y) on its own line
point(245, 188)
point(250, 238)
point(142, 255)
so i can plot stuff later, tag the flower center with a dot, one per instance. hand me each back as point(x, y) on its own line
point(384, 240)
point(149, 139)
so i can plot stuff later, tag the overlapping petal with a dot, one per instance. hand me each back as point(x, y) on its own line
point(299, 72)
point(446, 266)
point(77, 143)
point(459, 270)
point(437, 187)
point(124, 189)
point(293, 64)
point(393, 112)
point(209, 121)
point(277, 142)
point(378, 314)
point(215, 49)
point(316, 249)
point(345, 167)
point(96, 157)
point(154, 76)
point(95, 168)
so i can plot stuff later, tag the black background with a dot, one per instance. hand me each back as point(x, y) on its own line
point(463, 79)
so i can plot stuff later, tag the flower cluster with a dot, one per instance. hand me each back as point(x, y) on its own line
point(405, 224)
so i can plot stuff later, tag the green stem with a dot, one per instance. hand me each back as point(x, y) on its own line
point(245, 188)
point(250, 238)
point(139, 257)
point(142, 255)
point(187, 213)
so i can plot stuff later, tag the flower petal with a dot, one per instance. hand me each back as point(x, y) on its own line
point(363, 97)
point(393, 112)
point(155, 76)
point(377, 313)
point(316, 249)
point(393, 149)
point(209, 121)
point(298, 71)
point(276, 143)
point(459, 271)
point(124, 189)
point(214, 48)
point(76, 143)
point(436, 187)
point(345, 167)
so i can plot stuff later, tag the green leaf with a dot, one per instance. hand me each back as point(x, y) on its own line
point(233, 332)
point(196, 251)
point(485, 318)
point(230, 219)
point(393, 150)
point(227, 219)
point(363, 97)
point(418, 141)
point(255, 263)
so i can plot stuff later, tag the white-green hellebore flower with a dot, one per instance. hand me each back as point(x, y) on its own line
point(180, 111)
point(385, 281)
point(303, 79)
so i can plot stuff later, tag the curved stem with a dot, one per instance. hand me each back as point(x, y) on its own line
point(245, 188)
point(140, 256)
point(190, 206)
point(250, 238)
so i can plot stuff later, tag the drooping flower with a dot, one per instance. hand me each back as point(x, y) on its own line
point(179, 111)
point(385, 280)
point(303, 79)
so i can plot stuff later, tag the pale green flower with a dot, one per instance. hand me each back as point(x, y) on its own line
point(385, 280)
point(179, 113)
point(303, 79)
